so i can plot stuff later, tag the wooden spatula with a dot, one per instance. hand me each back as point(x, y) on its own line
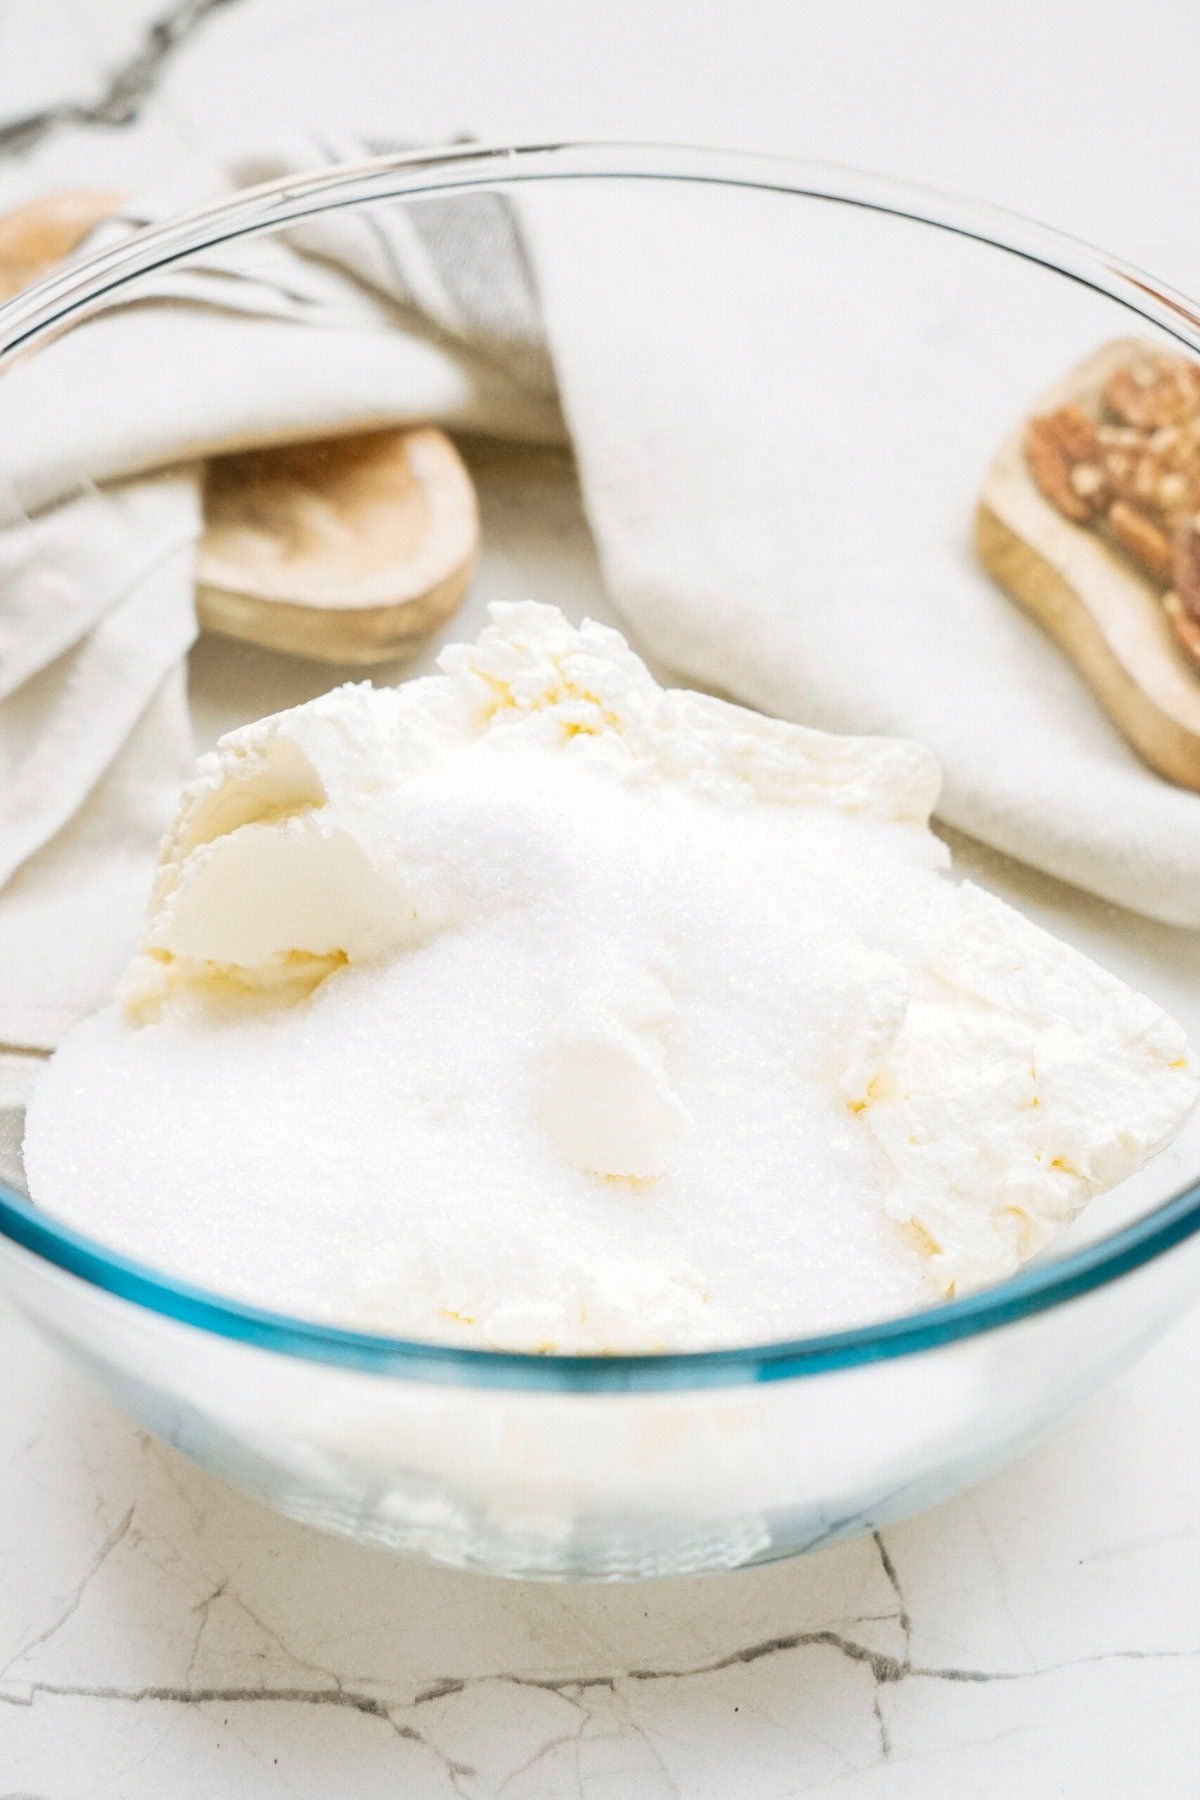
point(349, 549)
point(1091, 580)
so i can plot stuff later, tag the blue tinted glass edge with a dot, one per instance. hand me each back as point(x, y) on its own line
point(1033, 1291)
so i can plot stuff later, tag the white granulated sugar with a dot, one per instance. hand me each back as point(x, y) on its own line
point(536, 1007)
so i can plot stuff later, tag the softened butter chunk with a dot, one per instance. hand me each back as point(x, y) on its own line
point(537, 1006)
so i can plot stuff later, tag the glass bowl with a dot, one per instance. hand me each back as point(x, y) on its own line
point(623, 1466)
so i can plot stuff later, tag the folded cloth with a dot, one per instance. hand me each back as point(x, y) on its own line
point(754, 540)
point(388, 317)
point(781, 465)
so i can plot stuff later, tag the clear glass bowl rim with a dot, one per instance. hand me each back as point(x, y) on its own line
point(68, 296)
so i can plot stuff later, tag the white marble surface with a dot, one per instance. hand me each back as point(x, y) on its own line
point(161, 1636)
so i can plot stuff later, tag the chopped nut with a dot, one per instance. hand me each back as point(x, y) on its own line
point(1050, 466)
point(1076, 433)
point(1159, 391)
point(1141, 537)
point(1138, 479)
point(1146, 477)
point(1120, 470)
point(1087, 479)
point(1120, 436)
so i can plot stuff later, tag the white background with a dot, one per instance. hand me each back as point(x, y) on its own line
point(159, 1636)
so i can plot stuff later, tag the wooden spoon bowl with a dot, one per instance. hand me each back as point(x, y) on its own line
point(37, 236)
point(348, 549)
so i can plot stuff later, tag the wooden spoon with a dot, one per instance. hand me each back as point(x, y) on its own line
point(36, 237)
point(347, 549)
point(1100, 607)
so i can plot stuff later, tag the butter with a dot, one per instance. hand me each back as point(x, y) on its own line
point(534, 1005)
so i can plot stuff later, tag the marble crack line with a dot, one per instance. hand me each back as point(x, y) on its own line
point(348, 1699)
point(128, 86)
point(293, 1656)
point(918, 1673)
point(569, 1739)
point(574, 1739)
point(115, 1536)
point(885, 1736)
point(886, 1669)
point(354, 1701)
point(893, 1581)
point(204, 1608)
point(905, 1620)
point(652, 1748)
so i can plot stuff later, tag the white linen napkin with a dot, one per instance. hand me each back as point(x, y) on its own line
point(781, 467)
point(370, 320)
point(754, 536)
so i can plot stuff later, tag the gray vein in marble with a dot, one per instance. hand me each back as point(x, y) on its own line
point(293, 1656)
point(564, 1739)
point(1072, 1662)
point(129, 86)
point(395, 1714)
point(886, 1669)
point(905, 1622)
point(615, 1716)
point(350, 1700)
point(331, 1689)
point(1178, 1534)
point(893, 1581)
point(204, 1608)
point(885, 1736)
point(997, 1562)
point(115, 1536)
point(369, 1704)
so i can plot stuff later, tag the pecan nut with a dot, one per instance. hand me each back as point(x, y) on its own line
point(1051, 465)
point(1138, 533)
point(1133, 474)
point(1154, 391)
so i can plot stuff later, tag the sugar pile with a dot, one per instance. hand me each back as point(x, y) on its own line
point(532, 1006)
